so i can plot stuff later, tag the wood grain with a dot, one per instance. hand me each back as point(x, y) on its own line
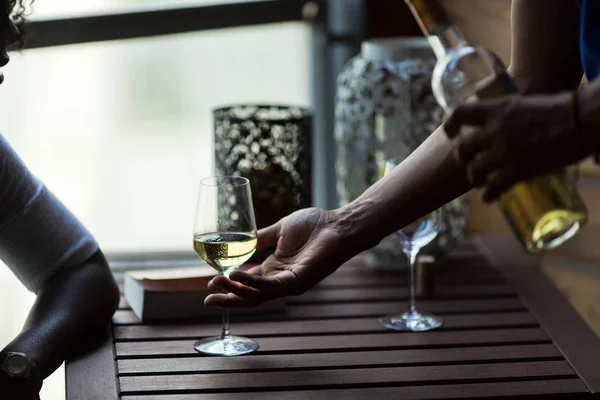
point(392, 340)
point(569, 388)
point(579, 284)
point(372, 294)
point(567, 329)
point(382, 308)
point(93, 375)
point(314, 327)
point(332, 378)
point(339, 295)
point(340, 360)
point(397, 280)
point(367, 278)
point(465, 261)
point(372, 309)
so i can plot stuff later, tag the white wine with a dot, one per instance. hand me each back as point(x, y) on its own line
point(543, 212)
point(225, 251)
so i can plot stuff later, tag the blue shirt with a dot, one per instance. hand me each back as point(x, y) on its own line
point(589, 37)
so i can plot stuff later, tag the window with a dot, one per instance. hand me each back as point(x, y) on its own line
point(111, 107)
point(122, 131)
point(74, 8)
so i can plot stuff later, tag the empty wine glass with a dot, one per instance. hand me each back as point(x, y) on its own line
point(413, 238)
point(225, 237)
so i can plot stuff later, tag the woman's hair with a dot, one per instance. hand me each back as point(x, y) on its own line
point(13, 13)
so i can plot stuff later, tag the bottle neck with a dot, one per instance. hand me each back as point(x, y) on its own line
point(446, 41)
point(441, 33)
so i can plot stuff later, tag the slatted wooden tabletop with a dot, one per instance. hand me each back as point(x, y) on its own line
point(507, 333)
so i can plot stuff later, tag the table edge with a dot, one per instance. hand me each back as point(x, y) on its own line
point(101, 363)
point(571, 334)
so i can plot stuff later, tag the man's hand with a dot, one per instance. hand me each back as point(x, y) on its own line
point(309, 248)
point(516, 139)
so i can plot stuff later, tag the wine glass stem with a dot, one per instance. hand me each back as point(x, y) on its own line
point(225, 333)
point(411, 254)
point(225, 317)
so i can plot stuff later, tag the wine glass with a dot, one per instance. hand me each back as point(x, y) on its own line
point(225, 237)
point(413, 238)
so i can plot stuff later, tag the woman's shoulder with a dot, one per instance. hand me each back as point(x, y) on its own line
point(18, 186)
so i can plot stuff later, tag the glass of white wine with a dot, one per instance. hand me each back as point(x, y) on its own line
point(225, 237)
point(413, 238)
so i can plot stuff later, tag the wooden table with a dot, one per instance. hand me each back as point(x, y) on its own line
point(507, 332)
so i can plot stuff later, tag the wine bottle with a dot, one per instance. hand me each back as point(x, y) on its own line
point(543, 212)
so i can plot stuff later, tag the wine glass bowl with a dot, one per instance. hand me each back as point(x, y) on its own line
point(421, 232)
point(225, 237)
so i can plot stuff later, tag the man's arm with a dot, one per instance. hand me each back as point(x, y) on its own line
point(545, 59)
point(311, 244)
point(70, 313)
point(545, 46)
point(555, 126)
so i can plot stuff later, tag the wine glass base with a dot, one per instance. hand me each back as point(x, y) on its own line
point(414, 322)
point(226, 346)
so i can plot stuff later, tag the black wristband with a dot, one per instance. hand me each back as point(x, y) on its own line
point(32, 380)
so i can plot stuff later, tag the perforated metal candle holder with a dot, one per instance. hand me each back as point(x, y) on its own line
point(271, 146)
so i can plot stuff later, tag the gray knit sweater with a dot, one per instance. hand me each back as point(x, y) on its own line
point(38, 235)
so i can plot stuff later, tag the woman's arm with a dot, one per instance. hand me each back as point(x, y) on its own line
point(70, 313)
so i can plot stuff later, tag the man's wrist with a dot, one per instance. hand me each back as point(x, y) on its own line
point(356, 224)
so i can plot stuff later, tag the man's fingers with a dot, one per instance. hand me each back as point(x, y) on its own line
point(212, 286)
point(470, 114)
point(268, 284)
point(239, 294)
point(247, 290)
point(482, 140)
point(267, 237)
point(237, 288)
point(501, 182)
point(228, 300)
point(256, 270)
point(284, 283)
point(480, 169)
